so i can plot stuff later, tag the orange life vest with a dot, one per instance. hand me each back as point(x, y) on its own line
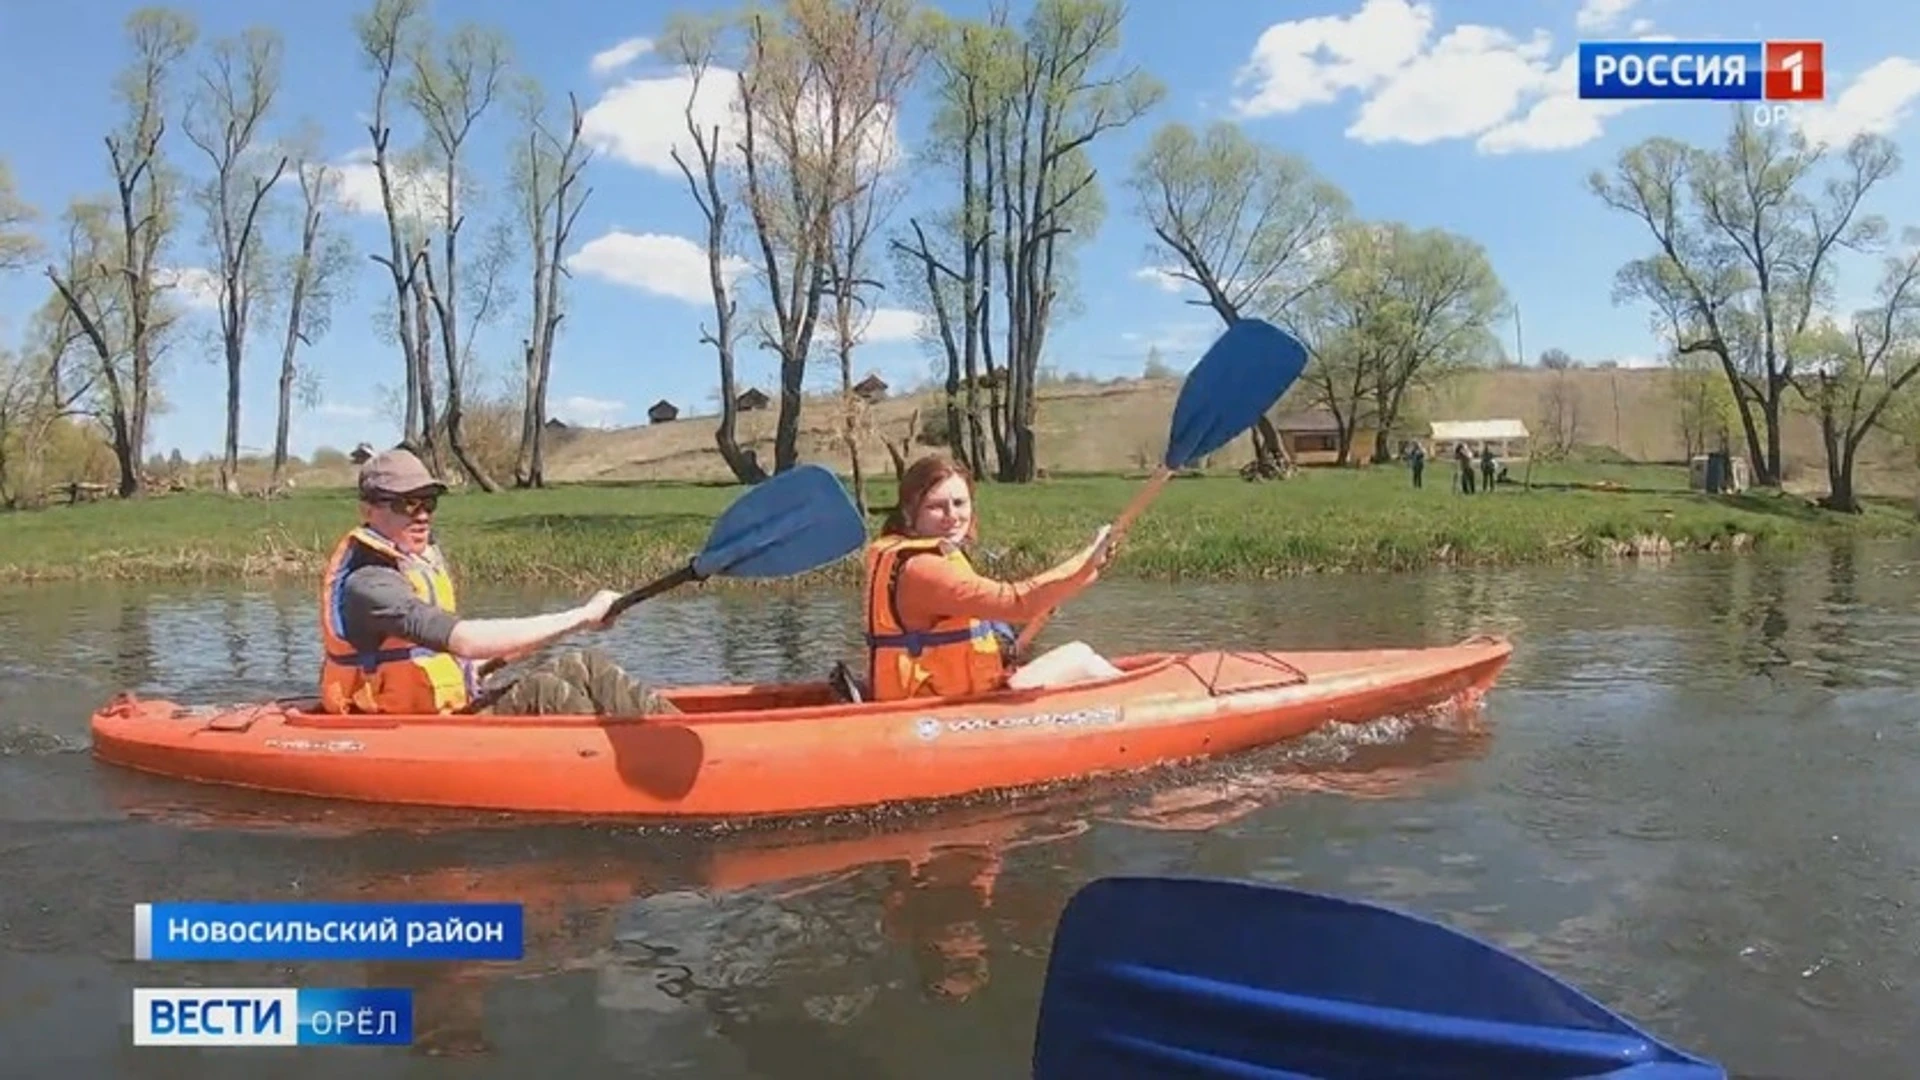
point(954, 657)
point(399, 677)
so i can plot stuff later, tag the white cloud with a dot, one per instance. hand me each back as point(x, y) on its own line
point(1641, 27)
point(1360, 51)
point(580, 411)
point(669, 266)
point(1875, 103)
point(642, 120)
point(1558, 121)
point(881, 326)
point(615, 57)
point(1601, 14)
point(1473, 81)
point(195, 286)
point(417, 194)
point(1161, 278)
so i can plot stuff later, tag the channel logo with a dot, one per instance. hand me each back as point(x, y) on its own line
point(1703, 70)
point(277, 1016)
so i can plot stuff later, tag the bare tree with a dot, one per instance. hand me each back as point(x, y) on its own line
point(1560, 412)
point(866, 56)
point(31, 399)
point(223, 118)
point(18, 246)
point(113, 284)
point(35, 400)
point(388, 33)
point(950, 272)
point(694, 45)
point(1405, 309)
point(547, 173)
point(1744, 257)
point(316, 277)
point(1249, 226)
point(1860, 371)
point(451, 89)
point(1063, 99)
point(810, 113)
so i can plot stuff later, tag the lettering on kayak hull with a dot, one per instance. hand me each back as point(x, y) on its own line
point(1095, 717)
point(324, 746)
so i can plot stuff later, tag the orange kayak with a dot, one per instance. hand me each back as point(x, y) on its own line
point(795, 749)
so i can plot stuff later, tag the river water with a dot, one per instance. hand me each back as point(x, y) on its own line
point(1693, 793)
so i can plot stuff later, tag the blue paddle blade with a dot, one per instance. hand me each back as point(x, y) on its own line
point(1241, 376)
point(1179, 977)
point(792, 522)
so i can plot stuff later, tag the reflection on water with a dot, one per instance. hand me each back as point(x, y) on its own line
point(1692, 793)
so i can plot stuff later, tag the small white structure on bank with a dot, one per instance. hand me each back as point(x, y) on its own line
point(1444, 435)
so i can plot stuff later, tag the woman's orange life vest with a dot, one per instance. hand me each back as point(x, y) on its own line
point(399, 677)
point(954, 657)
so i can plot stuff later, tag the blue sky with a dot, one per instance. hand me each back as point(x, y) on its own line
point(1450, 114)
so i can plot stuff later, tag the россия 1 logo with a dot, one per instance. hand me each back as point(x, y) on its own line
point(1770, 71)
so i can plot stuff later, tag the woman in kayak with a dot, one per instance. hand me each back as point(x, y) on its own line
point(938, 628)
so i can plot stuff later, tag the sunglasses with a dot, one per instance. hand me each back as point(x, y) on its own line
point(413, 504)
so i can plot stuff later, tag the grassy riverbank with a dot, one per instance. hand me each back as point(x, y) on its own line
point(1212, 527)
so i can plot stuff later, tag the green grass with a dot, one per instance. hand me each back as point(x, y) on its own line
point(1211, 527)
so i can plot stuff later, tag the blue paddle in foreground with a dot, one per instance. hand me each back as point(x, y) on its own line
point(1241, 376)
point(1189, 977)
point(787, 524)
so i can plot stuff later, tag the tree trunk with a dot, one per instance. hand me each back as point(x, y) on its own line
point(428, 438)
point(786, 430)
point(230, 463)
point(283, 421)
point(529, 430)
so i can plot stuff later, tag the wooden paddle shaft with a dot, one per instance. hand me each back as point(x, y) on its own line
point(1120, 525)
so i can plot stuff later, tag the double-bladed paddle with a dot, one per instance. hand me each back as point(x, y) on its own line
point(1241, 376)
point(1191, 977)
point(792, 522)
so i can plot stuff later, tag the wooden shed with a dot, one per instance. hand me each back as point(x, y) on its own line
point(1312, 437)
point(663, 412)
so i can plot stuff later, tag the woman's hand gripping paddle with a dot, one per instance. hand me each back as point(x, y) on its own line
point(1195, 977)
point(1242, 375)
point(788, 524)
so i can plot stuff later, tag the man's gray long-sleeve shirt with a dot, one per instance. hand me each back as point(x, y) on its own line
point(378, 604)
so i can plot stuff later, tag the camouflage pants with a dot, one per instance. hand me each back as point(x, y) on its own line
point(580, 683)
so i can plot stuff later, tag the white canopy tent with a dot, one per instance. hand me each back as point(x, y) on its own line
point(1478, 431)
point(1444, 435)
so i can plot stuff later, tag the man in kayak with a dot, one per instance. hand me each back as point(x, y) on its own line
point(936, 627)
point(394, 642)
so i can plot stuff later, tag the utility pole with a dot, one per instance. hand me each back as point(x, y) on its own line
point(1519, 347)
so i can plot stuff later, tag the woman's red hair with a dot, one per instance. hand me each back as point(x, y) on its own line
point(921, 477)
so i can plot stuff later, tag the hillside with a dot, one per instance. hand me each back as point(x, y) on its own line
point(1091, 427)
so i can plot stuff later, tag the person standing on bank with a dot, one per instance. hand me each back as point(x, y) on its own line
point(394, 640)
point(1465, 457)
